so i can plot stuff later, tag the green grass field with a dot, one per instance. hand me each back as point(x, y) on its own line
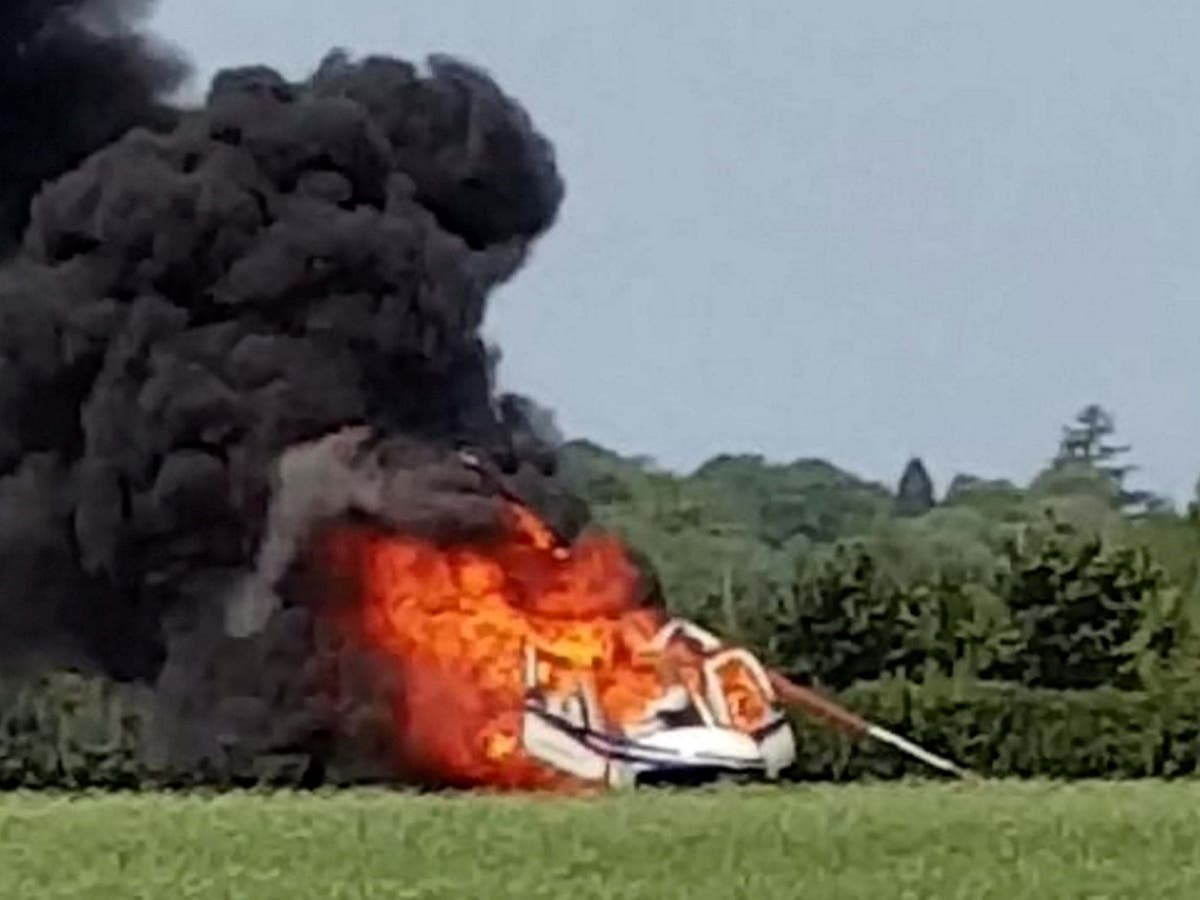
point(921, 841)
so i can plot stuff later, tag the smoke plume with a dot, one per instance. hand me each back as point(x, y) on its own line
point(218, 334)
point(74, 75)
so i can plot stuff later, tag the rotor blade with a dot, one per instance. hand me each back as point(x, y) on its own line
point(813, 703)
point(917, 752)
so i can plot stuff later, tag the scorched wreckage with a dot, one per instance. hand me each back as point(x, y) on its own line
point(524, 662)
point(251, 454)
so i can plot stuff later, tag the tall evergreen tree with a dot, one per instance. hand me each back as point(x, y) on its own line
point(914, 496)
point(1086, 442)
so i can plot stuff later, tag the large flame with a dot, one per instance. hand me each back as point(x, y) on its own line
point(455, 619)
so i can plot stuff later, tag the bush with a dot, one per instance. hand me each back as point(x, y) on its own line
point(1007, 730)
point(848, 621)
point(69, 732)
point(952, 626)
point(1078, 606)
point(1055, 608)
point(843, 622)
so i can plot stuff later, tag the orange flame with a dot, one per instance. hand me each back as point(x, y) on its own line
point(455, 619)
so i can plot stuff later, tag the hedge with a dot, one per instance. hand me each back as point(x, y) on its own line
point(71, 733)
point(1006, 730)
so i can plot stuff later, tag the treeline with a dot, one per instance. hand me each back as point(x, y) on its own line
point(1073, 594)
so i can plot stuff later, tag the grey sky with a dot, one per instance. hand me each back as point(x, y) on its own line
point(850, 230)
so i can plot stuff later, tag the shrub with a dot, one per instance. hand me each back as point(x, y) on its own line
point(953, 626)
point(847, 621)
point(69, 732)
point(1078, 605)
point(843, 622)
point(1056, 608)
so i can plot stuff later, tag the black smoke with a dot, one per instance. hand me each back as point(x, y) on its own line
point(74, 76)
point(218, 335)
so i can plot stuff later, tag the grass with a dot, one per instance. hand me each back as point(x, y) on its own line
point(1001, 840)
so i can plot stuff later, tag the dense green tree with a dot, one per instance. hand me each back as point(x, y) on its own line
point(1078, 604)
point(1086, 440)
point(1085, 445)
point(806, 498)
point(842, 622)
point(995, 498)
point(914, 495)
